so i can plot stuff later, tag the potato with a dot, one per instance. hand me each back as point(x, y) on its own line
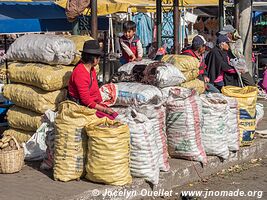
point(12, 143)
point(5, 145)
point(1, 143)
point(6, 139)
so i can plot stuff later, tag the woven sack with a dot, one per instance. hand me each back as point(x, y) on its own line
point(33, 98)
point(24, 119)
point(45, 77)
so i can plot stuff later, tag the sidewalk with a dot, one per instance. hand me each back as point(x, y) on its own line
point(32, 184)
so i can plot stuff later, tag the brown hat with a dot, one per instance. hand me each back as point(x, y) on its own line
point(92, 47)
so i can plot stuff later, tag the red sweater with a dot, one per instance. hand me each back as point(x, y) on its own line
point(79, 86)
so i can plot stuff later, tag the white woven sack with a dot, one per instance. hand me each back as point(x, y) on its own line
point(50, 49)
point(157, 115)
point(137, 94)
point(259, 112)
point(128, 67)
point(184, 125)
point(167, 75)
point(233, 133)
point(144, 154)
point(214, 129)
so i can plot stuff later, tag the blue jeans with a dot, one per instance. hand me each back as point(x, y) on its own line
point(211, 89)
point(123, 61)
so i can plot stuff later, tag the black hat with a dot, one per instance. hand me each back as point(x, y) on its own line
point(222, 38)
point(92, 47)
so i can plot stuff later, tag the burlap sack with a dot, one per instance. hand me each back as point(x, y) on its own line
point(188, 65)
point(71, 140)
point(33, 98)
point(108, 152)
point(46, 77)
point(24, 119)
point(195, 84)
point(20, 135)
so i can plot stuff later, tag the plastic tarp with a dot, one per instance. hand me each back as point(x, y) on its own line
point(193, 2)
point(144, 28)
point(19, 17)
point(105, 7)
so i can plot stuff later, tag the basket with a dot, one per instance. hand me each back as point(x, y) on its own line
point(12, 161)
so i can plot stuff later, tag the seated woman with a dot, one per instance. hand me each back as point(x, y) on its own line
point(220, 72)
point(83, 86)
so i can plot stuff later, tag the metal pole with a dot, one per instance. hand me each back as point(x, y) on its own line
point(237, 15)
point(75, 27)
point(176, 21)
point(246, 31)
point(105, 56)
point(94, 27)
point(221, 14)
point(6, 63)
point(159, 23)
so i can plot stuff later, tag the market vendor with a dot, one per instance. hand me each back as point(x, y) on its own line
point(197, 50)
point(220, 72)
point(83, 86)
point(236, 51)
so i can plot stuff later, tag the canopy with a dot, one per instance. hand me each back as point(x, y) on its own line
point(21, 17)
point(105, 7)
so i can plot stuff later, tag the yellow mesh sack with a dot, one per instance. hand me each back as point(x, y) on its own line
point(33, 98)
point(46, 77)
point(247, 98)
point(24, 119)
point(20, 135)
point(188, 65)
point(195, 84)
point(71, 140)
point(108, 152)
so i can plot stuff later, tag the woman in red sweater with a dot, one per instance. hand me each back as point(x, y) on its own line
point(83, 86)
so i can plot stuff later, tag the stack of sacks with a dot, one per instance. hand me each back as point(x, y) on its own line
point(184, 124)
point(189, 66)
point(147, 101)
point(39, 77)
point(215, 132)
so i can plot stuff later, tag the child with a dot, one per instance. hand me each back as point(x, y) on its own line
point(131, 46)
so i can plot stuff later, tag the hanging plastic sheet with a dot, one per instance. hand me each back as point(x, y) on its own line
point(144, 28)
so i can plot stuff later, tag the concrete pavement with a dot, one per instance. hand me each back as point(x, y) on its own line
point(33, 184)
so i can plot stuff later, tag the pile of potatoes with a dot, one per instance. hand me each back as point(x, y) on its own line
point(7, 143)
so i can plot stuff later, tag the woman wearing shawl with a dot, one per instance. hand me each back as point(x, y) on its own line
point(220, 72)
